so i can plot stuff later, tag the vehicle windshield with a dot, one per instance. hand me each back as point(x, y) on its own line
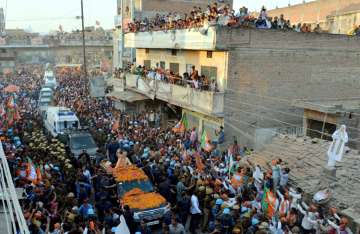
point(67, 125)
point(82, 142)
point(46, 94)
point(45, 103)
point(144, 185)
point(46, 99)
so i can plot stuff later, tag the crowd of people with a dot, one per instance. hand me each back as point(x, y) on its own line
point(211, 187)
point(216, 14)
point(192, 79)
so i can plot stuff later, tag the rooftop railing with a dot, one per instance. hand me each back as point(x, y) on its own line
point(12, 219)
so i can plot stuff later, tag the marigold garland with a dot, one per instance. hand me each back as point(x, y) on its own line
point(138, 199)
point(129, 173)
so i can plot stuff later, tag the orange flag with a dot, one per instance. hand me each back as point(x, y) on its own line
point(199, 164)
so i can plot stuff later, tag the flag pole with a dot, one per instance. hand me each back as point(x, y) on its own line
point(83, 37)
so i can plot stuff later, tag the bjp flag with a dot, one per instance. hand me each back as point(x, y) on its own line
point(199, 164)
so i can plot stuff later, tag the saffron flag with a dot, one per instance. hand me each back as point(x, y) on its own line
point(11, 103)
point(33, 172)
point(205, 142)
point(182, 125)
point(268, 202)
point(199, 164)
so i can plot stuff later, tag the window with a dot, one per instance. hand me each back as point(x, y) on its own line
point(147, 50)
point(209, 54)
point(173, 52)
point(147, 63)
point(68, 59)
point(162, 64)
point(174, 67)
point(210, 72)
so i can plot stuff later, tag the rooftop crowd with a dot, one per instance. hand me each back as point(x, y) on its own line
point(211, 187)
point(216, 14)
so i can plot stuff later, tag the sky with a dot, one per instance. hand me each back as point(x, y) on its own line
point(46, 15)
point(269, 4)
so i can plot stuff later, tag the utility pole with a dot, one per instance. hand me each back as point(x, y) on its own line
point(83, 37)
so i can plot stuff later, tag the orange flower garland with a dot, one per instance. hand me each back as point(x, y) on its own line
point(138, 199)
point(129, 173)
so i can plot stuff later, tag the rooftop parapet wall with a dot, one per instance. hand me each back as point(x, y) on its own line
point(188, 39)
point(227, 38)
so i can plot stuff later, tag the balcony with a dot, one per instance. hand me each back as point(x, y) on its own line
point(206, 102)
point(189, 39)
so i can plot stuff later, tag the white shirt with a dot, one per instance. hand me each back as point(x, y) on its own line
point(284, 179)
point(158, 76)
point(196, 84)
point(337, 228)
point(309, 220)
point(295, 197)
point(194, 209)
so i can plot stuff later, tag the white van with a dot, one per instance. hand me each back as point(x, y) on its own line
point(49, 79)
point(58, 120)
point(45, 92)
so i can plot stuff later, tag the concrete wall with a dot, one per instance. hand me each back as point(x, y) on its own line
point(188, 39)
point(63, 54)
point(187, 58)
point(206, 102)
point(269, 69)
point(352, 123)
point(203, 122)
point(314, 11)
point(343, 23)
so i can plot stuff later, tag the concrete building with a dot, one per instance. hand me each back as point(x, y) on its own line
point(321, 118)
point(344, 20)
point(129, 10)
point(2, 22)
point(334, 16)
point(7, 61)
point(60, 48)
point(260, 73)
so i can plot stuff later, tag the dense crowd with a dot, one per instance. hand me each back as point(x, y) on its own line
point(216, 14)
point(211, 187)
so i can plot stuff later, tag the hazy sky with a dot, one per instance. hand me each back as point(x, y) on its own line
point(46, 15)
point(270, 4)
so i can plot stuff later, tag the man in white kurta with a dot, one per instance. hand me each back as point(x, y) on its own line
point(336, 149)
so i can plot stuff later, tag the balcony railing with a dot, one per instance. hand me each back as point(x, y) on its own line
point(12, 219)
point(117, 83)
point(207, 102)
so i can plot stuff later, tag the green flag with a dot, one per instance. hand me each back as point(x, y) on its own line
point(184, 121)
